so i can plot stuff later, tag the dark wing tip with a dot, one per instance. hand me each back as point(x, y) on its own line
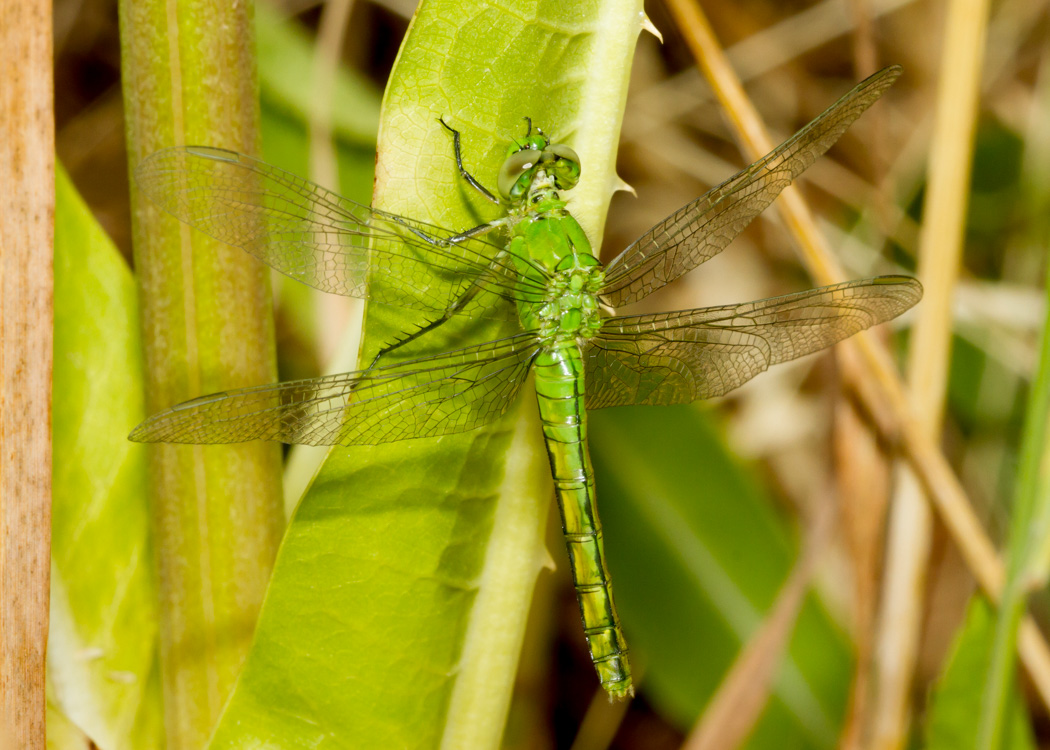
point(907, 288)
point(159, 167)
point(211, 152)
point(205, 152)
point(879, 81)
point(890, 73)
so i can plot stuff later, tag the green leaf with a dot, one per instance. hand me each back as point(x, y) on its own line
point(956, 701)
point(399, 599)
point(102, 643)
point(698, 555)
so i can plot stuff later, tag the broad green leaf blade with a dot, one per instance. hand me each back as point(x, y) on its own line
point(697, 555)
point(955, 704)
point(102, 643)
point(400, 596)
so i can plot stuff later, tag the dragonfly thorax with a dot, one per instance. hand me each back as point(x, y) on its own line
point(552, 248)
point(571, 308)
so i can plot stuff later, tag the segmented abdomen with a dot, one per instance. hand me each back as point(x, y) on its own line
point(559, 389)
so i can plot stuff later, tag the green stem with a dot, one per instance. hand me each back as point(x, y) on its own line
point(1030, 524)
point(189, 77)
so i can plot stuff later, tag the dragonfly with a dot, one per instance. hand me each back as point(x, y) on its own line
point(534, 265)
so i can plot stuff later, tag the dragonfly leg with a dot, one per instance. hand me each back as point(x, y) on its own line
point(446, 241)
point(463, 170)
point(452, 309)
point(445, 317)
point(478, 230)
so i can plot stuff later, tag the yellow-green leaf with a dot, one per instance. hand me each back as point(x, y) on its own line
point(102, 643)
point(400, 594)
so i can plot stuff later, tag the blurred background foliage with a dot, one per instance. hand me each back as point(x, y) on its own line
point(708, 508)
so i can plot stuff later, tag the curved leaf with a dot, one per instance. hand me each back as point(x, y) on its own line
point(102, 643)
point(400, 595)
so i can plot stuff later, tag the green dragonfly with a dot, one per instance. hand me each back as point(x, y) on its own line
point(534, 265)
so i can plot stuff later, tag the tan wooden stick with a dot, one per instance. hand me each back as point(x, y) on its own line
point(27, 208)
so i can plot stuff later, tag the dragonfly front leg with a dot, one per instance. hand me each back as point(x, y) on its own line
point(460, 303)
point(471, 180)
point(445, 317)
point(481, 229)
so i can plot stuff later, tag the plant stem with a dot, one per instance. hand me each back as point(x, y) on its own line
point(1028, 528)
point(1030, 521)
point(189, 78)
point(27, 207)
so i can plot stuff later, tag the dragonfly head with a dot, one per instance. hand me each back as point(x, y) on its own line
point(531, 155)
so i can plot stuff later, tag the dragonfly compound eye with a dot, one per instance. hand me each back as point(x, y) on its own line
point(516, 174)
point(564, 164)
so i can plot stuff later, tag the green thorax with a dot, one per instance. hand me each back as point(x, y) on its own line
point(549, 246)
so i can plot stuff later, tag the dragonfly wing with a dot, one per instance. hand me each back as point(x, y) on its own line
point(679, 357)
point(323, 239)
point(702, 229)
point(438, 395)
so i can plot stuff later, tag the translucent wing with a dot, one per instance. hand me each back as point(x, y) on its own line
point(702, 229)
point(438, 395)
point(324, 240)
point(679, 357)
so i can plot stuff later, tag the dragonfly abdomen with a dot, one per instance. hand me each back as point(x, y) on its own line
point(559, 390)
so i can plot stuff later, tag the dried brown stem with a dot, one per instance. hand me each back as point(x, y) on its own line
point(27, 211)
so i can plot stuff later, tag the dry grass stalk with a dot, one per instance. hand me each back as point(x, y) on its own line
point(940, 251)
point(862, 477)
point(26, 238)
point(27, 210)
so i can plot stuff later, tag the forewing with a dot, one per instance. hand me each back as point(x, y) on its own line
point(702, 229)
point(322, 239)
point(439, 395)
point(679, 357)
